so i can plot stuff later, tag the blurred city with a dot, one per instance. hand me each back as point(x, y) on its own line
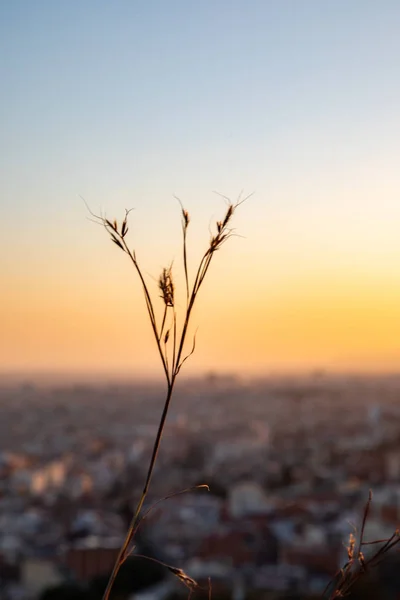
point(289, 462)
point(278, 474)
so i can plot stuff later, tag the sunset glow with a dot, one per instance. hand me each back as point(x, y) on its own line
point(133, 119)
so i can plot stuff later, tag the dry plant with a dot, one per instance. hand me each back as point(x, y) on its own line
point(358, 564)
point(169, 337)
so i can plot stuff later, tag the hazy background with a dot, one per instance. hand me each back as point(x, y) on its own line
point(127, 103)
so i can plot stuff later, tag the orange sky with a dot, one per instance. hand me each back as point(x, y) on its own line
point(127, 107)
point(253, 317)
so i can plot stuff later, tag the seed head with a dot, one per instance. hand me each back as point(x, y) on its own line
point(351, 546)
point(166, 286)
point(186, 580)
point(124, 228)
point(116, 241)
point(228, 215)
point(185, 218)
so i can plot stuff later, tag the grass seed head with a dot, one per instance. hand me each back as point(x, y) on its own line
point(185, 218)
point(351, 546)
point(166, 286)
point(186, 580)
point(116, 241)
point(228, 216)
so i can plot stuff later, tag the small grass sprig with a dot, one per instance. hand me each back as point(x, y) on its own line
point(357, 563)
point(170, 340)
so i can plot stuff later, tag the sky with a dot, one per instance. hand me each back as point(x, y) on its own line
point(128, 103)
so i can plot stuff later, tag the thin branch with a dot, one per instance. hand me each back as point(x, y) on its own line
point(190, 583)
point(163, 322)
point(190, 353)
point(168, 497)
point(185, 224)
point(365, 516)
point(174, 343)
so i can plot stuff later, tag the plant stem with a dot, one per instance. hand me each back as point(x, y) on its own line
point(133, 525)
point(171, 370)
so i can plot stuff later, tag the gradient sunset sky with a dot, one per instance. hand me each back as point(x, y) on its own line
point(127, 103)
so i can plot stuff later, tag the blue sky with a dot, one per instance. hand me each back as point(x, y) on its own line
point(127, 103)
point(168, 95)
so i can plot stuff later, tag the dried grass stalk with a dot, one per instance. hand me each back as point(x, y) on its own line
point(170, 347)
